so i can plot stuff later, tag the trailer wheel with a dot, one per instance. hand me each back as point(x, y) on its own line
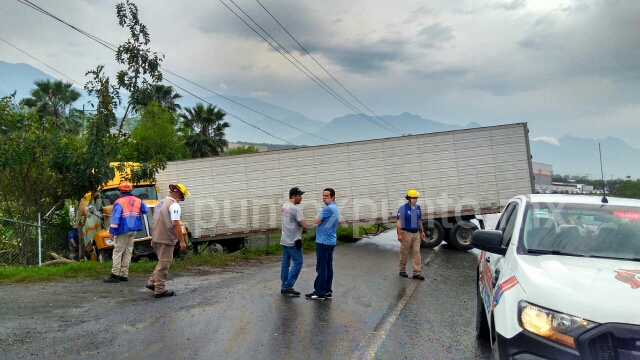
point(460, 235)
point(434, 233)
point(216, 249)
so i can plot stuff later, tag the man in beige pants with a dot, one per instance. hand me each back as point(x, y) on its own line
point(410, 231)
point(125, 222)
point(166, 232)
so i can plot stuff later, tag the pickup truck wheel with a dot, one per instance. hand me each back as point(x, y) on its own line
point(460, 235)
point(216, 249)
point(495, 353)
point(482, 324)
point(434, 233)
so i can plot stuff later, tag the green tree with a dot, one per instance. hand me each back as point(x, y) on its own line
point(29, 186)
point(164, 95)
point(143, 65)
point(627, 189)
point(240, 150)
point(204, 130)
point(52, 98)
point(154, 138)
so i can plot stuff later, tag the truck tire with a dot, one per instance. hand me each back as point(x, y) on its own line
point(104, 255)
point(434, 234)
point(460, 235)
point(216, 249)
point(482, 324)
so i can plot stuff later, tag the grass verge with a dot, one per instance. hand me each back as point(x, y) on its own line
point(95, 270)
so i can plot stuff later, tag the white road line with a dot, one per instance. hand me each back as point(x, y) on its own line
point(380, 335)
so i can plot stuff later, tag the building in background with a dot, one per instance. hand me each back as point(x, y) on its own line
point(542, 174)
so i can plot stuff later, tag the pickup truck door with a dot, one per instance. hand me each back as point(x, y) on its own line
point(493, 264)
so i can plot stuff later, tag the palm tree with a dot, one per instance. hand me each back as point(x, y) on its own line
point(52, 98)
point(204, 129)
point(163, 94)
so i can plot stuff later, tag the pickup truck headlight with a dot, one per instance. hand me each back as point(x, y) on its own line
point(553, 325)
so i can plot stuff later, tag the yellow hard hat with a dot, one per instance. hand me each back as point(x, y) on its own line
point(181, 188)
point(413, 194)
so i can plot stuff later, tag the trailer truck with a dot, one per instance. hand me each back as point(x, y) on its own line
point(460, 175)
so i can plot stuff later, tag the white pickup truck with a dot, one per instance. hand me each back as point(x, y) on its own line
point(559, 278)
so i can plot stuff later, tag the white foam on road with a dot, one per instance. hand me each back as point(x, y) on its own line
point(387, 240)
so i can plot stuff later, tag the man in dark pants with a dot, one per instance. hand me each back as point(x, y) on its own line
point(327, 220)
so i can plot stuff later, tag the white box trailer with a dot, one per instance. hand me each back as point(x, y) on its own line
point(459, 174)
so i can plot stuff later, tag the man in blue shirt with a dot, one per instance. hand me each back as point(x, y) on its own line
point(410, 231)
point(73, 241)
point(126, 220)
point(327, 220)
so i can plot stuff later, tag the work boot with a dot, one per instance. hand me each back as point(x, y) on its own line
point(113, 279)
point(151, 287)
point(290, 291)
point(403, 274)
point(123, 278)
point(418, 277)
point(166, 293)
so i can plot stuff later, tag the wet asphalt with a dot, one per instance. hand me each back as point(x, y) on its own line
point(238, 312)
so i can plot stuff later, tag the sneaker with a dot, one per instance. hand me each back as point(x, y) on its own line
point(166, 293)
point(328, 295)
point(151, 287)
point(403, 274)
point(113, 279)
point(290, 291)
point(418, 277)
point(313, 296)
point(122, 278)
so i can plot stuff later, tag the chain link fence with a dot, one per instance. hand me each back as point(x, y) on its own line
point(27, 244)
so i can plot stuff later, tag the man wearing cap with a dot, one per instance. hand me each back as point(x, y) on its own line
point(166, 230)
point(125, 222)
point(291, 240)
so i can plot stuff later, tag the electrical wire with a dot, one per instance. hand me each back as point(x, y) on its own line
point(351, 107)
point(114, 48)
point(24, 52)
point(324, 85)
point(323, 68)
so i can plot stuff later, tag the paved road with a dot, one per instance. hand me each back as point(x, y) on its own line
point(238, 313)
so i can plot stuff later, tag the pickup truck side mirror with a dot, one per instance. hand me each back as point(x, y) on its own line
point(489, 241)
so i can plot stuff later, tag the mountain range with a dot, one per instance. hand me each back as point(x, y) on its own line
point(568, 155)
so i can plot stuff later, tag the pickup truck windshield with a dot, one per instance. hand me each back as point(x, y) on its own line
point(143, 192)
point(601, 230)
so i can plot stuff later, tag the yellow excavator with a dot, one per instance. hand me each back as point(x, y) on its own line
point(94, 218)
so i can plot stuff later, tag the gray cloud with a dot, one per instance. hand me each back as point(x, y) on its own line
point(434, 35)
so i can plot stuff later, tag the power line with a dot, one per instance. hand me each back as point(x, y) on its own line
point(323, 68)
point(246, 107)
point(324, 85)
point(114, 48)
point(344, 102)
point(24, 52)
point(201, 99)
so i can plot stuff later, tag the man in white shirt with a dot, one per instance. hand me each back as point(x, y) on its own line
point(293, 222)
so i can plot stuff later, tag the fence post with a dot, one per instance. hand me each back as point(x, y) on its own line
point(39, 242)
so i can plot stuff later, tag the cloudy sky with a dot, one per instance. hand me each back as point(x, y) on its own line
point(567, 67)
